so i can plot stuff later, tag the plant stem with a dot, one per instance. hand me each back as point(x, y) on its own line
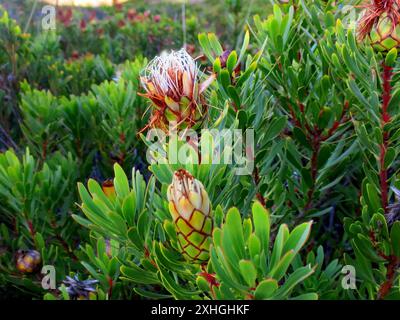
point(257, 182)
point(391, 269)
point(314, 168)
point(110, 288)
point(385, 287)
point(386, 96)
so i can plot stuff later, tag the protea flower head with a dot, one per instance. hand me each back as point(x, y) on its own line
point(79, 289)
point(28, 261)
point(190, 208)
point(380, 23)
point(172, 83)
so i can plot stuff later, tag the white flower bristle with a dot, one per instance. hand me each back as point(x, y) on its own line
point(163, 71)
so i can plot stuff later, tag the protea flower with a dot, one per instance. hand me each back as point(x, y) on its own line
point(79, 289)
point(172, 83)
point(190, 208)
point(380, 24)
point(28, 261)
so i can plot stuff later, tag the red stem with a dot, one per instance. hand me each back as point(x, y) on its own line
point(393, 264)
point(110, 288)
point(386, 96)
point(44, 150)
point(316, 145)
point(257, 181)
point(315, 137)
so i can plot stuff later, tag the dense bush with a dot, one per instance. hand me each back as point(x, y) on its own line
point(78, 191)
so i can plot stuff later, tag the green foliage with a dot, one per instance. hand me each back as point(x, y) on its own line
point(240, 258)
point(322, 188)
point(245, 265)
point(35, 214)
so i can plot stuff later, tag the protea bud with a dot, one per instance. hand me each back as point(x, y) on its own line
point(108, 188)
point(380, 23)
point(28, 261)
point(190, 208)
point(172, 83)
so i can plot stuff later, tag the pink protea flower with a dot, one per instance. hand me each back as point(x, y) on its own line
point(157, 18)
point(82, 25)
point(172, 83)
point(131, 14)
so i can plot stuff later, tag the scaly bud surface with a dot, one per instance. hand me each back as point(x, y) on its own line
point(190, 208)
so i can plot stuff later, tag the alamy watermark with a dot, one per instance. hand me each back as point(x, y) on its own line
point(349, 279)
point(49, 18)
point(49, 278)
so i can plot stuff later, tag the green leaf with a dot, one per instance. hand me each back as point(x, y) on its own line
point(205, 44)
point(279, 271)
point(248, 271)
point(306, 296)
point(214, 43)
point(129, 208)
point(244, 45)
point(275, 128)
point(294, 279)
point(231, 61)
point(391, 57)
point(225, 78)
point(151, 294)
point(234, 95)
point(367, 249)
point(373, 198)
point(261, 225)
point(39, 241)
point(203, 284)
point(298, 237)
point(233, 229)
point(254, 246)
point(121, 182)
point(245, 75)
point(266, 289)
point(278, 244)
point(395, 238)
point(218, 216)
point(217, 65)
point(389, 157)
point(139, 275)
point(301, 137)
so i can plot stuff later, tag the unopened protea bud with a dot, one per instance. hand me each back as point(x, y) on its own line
point(172, 83)
point(28, 261)
point(380, 24)
point(190, 208)
point(108, 188)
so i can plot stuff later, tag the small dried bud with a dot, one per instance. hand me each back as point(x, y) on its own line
point(224, 57)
